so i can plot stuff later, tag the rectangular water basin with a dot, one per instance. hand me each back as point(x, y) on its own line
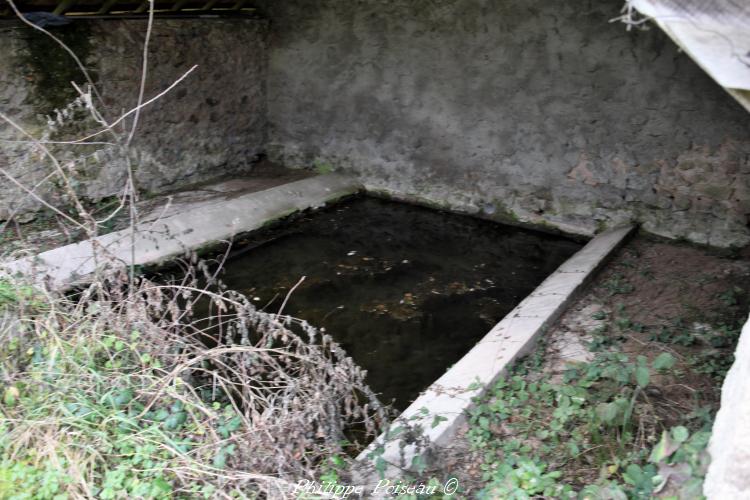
point(406, 290)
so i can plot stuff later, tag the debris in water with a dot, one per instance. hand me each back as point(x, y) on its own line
point(395, 290)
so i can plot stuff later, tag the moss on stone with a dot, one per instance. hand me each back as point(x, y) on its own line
point(50, 69)
point(323, 168)
point(504, 214)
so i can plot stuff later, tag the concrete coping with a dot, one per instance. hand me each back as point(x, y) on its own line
point(192, 229)
point(441, 409)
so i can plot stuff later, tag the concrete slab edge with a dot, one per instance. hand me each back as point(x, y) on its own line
point(441, 408)
point(727, 475)
point(526, 221)
point(66, 266)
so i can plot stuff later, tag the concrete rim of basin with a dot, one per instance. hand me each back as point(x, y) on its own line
point(442, 407)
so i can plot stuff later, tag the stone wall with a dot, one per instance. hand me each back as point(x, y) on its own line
point(211, 125)
point(531, 109)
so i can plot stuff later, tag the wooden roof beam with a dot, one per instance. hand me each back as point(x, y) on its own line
point(63, 6)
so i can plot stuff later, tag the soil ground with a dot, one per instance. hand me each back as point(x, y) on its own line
point(655, 297)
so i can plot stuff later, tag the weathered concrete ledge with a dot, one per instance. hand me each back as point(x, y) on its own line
point(442, 407)
point(172, 236)
point(730, 437)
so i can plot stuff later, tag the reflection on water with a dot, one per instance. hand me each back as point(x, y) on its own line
point(406, 290)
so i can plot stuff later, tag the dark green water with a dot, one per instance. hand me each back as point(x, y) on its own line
point(406, 290)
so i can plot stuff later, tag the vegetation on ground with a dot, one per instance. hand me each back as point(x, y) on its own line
point(590, 435)
point(120, 391)
point(630, 422)
point(129, 388)
point(132, 388)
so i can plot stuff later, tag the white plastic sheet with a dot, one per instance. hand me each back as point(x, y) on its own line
point(715, 33)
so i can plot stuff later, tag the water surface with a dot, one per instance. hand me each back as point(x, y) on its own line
point(406, 290)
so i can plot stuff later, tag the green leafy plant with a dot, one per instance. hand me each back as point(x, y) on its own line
point(676, 333)
point(731, 297)
point(525, 478)
point(16, 294)
point(617, 285)
point(682, 461)
point(323, 168)
point(114, 398)
point(590, 418)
